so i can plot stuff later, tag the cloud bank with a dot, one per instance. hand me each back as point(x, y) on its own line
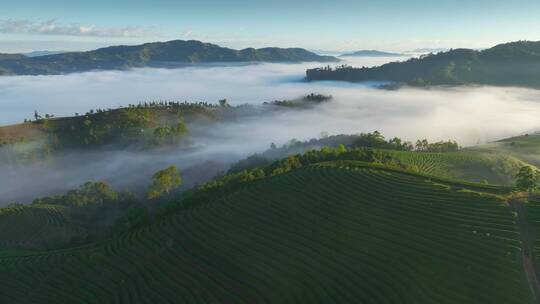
point(469, 115)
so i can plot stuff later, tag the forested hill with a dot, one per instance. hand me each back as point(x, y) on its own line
point(157, 54)
point(510, 64)
point(11, 56)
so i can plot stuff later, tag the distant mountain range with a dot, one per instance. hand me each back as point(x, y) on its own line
point(510, 64)
point(430, 50)
point(11, 56)
point(174, 53)
point(371, 53)
point(43, 53)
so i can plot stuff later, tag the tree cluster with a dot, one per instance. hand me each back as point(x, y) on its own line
point(301, 160)
point(527, 179)
point(441, 146)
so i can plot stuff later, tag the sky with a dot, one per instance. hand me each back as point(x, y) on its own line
point(340, 25)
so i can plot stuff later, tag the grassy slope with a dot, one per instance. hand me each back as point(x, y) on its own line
point(27, 131)
point(321, 234)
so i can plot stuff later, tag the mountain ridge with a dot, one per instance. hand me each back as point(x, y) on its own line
point(370, 53)
point(509, 64)
point(154, 54)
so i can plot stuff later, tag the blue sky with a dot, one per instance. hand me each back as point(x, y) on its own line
point(328, 25)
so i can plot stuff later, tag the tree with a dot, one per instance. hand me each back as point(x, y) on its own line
point(223, 103)
point(90, 193)
point(527, 179)
point(164, 181)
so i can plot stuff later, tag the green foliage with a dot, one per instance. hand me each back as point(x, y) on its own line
point(441, 146)
point(164, 181)
point(377, 140)
point(234, 178)
point(286, 165)
point(91, 193)
point(527, 179)
point(308, 100)
point(169, 134)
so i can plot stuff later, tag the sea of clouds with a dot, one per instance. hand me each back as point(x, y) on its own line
point(469, 115)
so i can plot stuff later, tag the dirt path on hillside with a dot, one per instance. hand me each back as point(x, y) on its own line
point(527, 252)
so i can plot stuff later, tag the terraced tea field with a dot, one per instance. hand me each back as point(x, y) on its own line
point(325, 233)
point(36, 226)
point(494, 168)
point(532, 209)
point(525, 148)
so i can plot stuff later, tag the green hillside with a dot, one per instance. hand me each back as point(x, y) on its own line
point(484, 163)
point(80, 216)
point(174, 53)
point(30, 227)
point(146, 124)
point(525, 148)
point(327, 233)
point(475, 166)
point(510, 64)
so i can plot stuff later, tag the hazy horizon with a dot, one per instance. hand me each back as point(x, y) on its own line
point(332, 26)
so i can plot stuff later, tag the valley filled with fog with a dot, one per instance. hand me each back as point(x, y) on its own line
point(470, 115)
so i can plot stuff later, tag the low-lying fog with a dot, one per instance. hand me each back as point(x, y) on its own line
point(77, 93)
point(469, 115)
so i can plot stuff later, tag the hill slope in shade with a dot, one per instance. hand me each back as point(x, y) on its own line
point(327, 233)
point(511, 64)
point(37, 227)
point(11, 56)
point(157, 54)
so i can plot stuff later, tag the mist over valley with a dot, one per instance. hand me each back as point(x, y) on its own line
point(469, 115)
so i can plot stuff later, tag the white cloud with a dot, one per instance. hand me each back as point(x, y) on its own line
point(468, 115)
point(54, 27)
point(186, 34)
